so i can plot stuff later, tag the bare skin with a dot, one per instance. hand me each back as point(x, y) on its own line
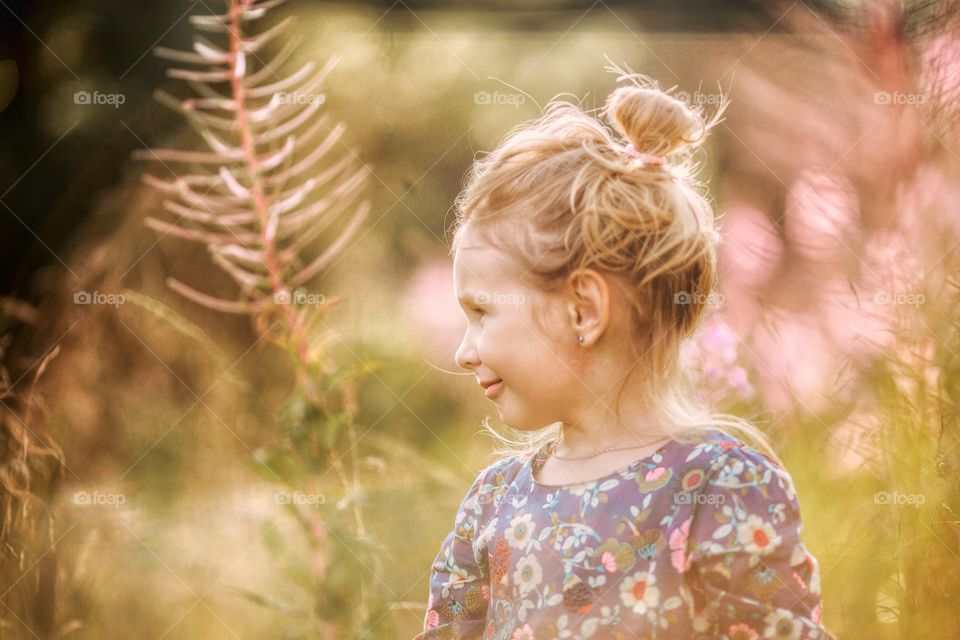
point(547, 374)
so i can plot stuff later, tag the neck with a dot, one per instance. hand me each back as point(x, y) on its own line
point(599, 429)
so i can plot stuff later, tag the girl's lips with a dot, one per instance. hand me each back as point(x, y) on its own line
point(494, 389)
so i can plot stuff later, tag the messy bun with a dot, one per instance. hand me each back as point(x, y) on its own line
point(653, 121)
point(566, 192)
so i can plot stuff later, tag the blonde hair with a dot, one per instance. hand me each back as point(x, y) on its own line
point(564, 192)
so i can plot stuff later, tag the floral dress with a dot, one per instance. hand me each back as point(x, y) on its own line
point(700, 539)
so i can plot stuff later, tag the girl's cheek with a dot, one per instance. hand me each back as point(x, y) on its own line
point(496, 342)
point(487, 341)
point(578, 360)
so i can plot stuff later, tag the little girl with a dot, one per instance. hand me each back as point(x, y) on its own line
point(583, 259)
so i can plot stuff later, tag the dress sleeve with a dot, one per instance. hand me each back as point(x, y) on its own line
point(750, 574)
point(459, 583)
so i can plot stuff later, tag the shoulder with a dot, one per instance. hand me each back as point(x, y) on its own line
point(506, 468)
point(502, 470)
point(491, 483)
point(743, 500)
point(727, 464)
point(479, 506)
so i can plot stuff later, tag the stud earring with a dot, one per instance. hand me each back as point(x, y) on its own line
point(580, 339)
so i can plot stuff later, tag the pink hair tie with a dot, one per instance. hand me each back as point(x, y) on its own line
point(647, 158)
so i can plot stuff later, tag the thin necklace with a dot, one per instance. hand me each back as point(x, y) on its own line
point(556, 443)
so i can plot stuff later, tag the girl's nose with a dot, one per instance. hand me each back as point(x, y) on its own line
point(466, 356)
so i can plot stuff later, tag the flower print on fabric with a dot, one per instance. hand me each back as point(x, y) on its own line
point(700, 539)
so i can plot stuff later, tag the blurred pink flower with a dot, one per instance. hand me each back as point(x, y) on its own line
point(711, 354)
point(940, 73)
point(821, 213)
point(893, 277)
point(719, 343)
point(888, 259)
point(793, 362)
point(862, 318)
point(751, 248)
point(852, 320)
point(737, 380)
point(929, 202)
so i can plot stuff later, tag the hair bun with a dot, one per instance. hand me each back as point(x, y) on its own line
point(654, 121)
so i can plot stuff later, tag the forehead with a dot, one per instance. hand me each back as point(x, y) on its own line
point(479, 265)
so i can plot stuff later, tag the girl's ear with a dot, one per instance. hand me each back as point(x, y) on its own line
point(587, 304)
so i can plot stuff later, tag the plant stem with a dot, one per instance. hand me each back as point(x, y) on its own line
point(274, 270)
